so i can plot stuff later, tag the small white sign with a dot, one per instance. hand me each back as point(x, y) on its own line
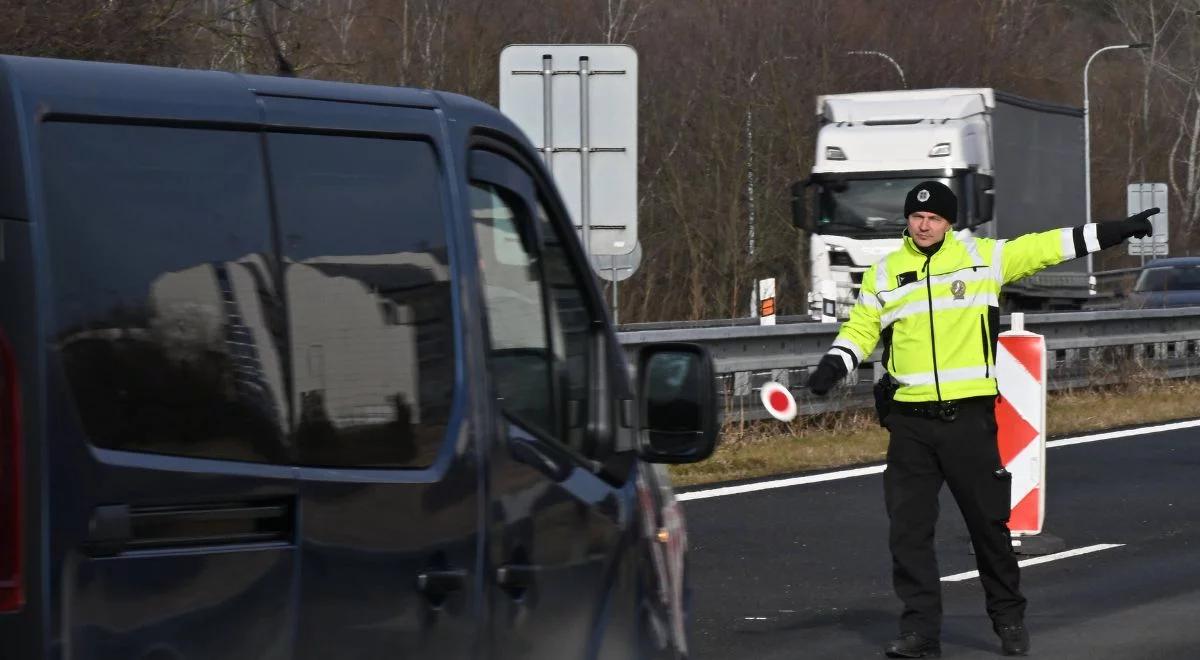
point(1138, 198)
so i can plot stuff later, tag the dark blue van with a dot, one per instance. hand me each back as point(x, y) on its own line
point(307, 370)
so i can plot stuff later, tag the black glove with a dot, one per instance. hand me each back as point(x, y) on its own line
point(1139, 225)
point(1111, 233)
point(829, 371)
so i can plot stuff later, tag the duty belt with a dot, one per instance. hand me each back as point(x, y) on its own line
point(944, 410)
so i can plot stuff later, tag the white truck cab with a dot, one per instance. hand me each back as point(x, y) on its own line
point(992, 149)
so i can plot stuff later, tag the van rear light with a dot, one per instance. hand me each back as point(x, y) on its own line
point(12, 593)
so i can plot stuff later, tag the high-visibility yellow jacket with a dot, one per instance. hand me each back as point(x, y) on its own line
point(939, 314)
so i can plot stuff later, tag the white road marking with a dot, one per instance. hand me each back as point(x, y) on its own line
point(959, 577)
point(877, 469)
point(1096, 437)
point(779, 483)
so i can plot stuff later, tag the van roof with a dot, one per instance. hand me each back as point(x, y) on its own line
point(133, 91)
point(33, 89)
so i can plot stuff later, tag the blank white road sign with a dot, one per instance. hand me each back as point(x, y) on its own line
point(578, 106)
point(1138, 198)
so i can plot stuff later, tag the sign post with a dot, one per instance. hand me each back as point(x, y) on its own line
point(616, 268)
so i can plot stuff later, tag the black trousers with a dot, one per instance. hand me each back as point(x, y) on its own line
point(924, 453)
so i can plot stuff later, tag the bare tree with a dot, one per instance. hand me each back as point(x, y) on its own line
point(1182, 70)
point(620, 19)
point(121, 30)
point(267, 26)
point(702, 176)
point(1184, 164)
point(226, 28)
point(1170, 102)
point(1149, 22)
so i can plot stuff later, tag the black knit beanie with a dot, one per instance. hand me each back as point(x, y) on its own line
point(932, 197)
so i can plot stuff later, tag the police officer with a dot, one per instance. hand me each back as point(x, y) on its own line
point(934, 303)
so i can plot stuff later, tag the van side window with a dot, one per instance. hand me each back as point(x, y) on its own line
point(539, 324)
point(162, 295)
point(366, 274)
point(573, 322)
point(520, 354)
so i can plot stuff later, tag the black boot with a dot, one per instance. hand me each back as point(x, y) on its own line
point(1014, 639)
point(912, 645)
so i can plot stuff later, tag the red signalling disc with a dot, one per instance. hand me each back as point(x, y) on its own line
point(778, 401)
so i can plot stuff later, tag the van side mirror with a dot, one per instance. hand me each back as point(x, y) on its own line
point(801, 218)
point(678, 398)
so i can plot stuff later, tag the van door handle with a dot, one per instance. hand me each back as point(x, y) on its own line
point(109, 530)
point(516, 578)
point(437, 585)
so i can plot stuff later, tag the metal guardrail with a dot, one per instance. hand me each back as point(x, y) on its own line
point(1085, 348)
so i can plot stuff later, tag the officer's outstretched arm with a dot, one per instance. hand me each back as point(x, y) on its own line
point(1026, 255)
point(854, 342)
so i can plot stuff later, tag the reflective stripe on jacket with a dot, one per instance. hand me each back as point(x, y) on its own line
point(939, 314)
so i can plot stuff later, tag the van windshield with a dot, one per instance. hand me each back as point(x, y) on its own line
point(870, 208)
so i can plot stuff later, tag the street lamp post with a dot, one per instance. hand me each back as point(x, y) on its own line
point(1087, 138)
point(903, 80)
point(750, 210)
point(1087, 130)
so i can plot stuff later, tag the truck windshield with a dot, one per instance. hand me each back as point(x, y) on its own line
point(867, 207)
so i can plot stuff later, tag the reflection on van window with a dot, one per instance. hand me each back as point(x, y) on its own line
point(165, 313)
point(520, 356)
point(367, 283)
point(573, 334)
point(539, 322)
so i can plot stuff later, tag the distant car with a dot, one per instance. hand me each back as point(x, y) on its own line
point(1173, 282)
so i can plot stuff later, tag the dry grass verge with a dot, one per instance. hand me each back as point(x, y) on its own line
point(760, 449)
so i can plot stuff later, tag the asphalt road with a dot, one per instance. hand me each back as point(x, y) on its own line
point(804, 571)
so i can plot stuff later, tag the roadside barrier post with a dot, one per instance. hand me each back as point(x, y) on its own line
point(828, 301)
point(1021, 422)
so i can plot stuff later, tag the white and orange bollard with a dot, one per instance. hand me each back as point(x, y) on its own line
point(766, 301)
point(1021, 421)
